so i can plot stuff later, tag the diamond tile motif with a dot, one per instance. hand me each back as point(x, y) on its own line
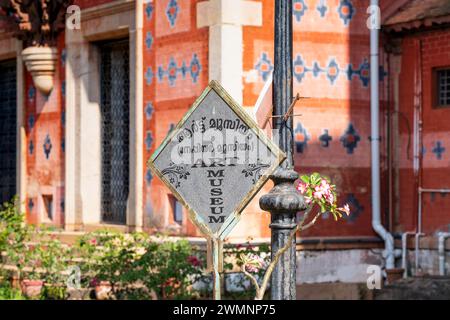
point(438, 150)
point(47, 146)
point(350, 139)
point(172, 12)
point(299, 9)
point(264, 66)
point(346, 11)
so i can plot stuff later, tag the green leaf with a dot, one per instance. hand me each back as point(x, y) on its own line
point(305, 179)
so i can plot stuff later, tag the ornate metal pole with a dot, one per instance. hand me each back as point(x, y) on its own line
point(283, 201)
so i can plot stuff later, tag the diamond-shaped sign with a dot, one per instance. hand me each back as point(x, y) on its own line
point(215, 161)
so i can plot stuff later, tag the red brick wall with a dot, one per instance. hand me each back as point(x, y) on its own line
point(44, 123)
point(331, 54)
point(435, 53)
point(175, 73)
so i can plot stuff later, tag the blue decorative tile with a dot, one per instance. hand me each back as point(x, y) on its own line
point(316, 69)
point(31, 121)
point(364, 73)
point(438, 150)
point(325, 139)
point(171, 128)
point(383, 73)
point(173, 70)
point(172, 12)
point(195, 68)
point(148, 176)
point(346, 11)
point(63, 88)
point(47, 146)
point(356, 209)
point(149, 76)
point(63, 57)
point(63, 118)
point(322, 8)
point(423, 151)
point(31, 147)
point(31, 93)
point(350, 139)
point(149, 140)
point(149, 110)
point(264, 66)
point(299, 9)
point(332, 71)
point(63, 145)
point(300, 69)
point(349, 72)
point(149, 40)
point(62, 204)
point(149, 10)
point(30, 205)
point(301, 138)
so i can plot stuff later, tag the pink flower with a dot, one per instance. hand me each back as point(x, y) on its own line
point(308, 200)
point(302, 187)
point(94, 282)
point(345, 209)
point(194, 261)
point(318, 194)
point(253, 263)
point(93, 242)
point(330, 197)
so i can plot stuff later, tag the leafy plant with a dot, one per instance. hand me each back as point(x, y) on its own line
point(15, 240)
point(7, 292)
point(169, 269)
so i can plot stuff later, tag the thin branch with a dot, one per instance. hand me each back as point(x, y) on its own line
point(300, 227)
point(312, 223)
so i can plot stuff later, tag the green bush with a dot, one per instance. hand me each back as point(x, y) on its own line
point(170, 268)
point(9, 293)
point(136, 266)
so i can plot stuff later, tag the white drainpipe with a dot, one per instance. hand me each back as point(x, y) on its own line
point(405, 252)
point(375, 142)
point(442, 237)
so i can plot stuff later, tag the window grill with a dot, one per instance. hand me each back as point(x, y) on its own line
point(115, 92)
point(8, 118)
point(443, 83)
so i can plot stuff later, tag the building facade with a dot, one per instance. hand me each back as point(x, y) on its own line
point(77, 157)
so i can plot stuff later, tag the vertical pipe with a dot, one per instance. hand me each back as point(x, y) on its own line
point(405, 252)
point(375, 144)
point(417, 248)
point(135, 216)
point(441, 249)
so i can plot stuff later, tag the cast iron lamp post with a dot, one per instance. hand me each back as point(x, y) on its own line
point(283, 201)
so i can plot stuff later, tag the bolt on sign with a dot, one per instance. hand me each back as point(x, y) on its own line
point(215, 162)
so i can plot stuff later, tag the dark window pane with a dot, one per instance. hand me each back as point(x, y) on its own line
point(115, 92)
point(443, 85)
point(8, 118)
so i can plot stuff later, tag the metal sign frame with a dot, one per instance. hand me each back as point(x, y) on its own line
point(234, 217)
